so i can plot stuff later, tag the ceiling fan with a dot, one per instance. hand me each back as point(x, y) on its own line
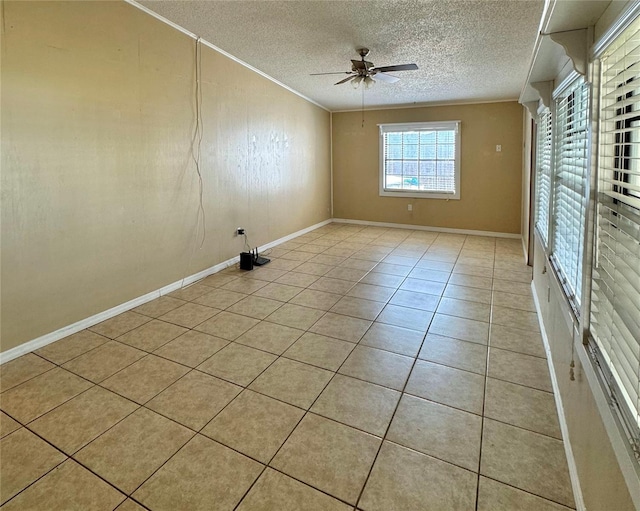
point(365, 71)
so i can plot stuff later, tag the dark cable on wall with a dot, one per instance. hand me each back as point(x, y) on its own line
point(199, 134)
point(196, 151)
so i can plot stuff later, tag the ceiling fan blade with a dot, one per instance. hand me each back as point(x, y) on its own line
point(346, 79)
point(383, 77)
point(400, 67)
point(336, 73)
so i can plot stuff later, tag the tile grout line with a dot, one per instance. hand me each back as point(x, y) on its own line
point(93, 385)
point(268, 464)
point(529, 492)
point(67, 458)
point(402, 392)
point(484, 392)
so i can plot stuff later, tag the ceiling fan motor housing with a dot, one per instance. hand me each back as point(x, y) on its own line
point(362, 68)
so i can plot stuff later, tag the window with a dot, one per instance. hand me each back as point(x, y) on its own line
point(615, 297)
point(543, 174)
point(420, 160)
point(569, 188)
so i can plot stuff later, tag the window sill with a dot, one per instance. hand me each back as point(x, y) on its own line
point(415, 194)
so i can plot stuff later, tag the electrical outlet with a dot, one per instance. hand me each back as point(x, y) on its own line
point(409, 207)
point(498, 148)
point(239, 231)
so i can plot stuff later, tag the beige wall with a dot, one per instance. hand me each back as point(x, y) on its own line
point(601, 480)
point(99, 189)
point(490, 181)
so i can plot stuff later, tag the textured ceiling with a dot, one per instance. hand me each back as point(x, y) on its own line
point(467, 50)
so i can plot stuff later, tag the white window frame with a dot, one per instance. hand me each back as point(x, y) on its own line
point(420, 126)
point(569, 177)
point(543, 176)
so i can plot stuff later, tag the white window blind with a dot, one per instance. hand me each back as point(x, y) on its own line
point(543, 173)
point(569, 187)
point(615, 300)
point(420, 159)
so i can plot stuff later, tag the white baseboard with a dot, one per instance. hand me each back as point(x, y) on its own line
point(525, 251)
point(429, 228)
point(39, 342)
point(564, 428)
point(296, 234)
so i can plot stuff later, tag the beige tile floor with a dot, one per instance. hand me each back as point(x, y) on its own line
point(363, 368)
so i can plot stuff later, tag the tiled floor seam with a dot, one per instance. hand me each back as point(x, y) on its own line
point(67, 458)
point(93, 385)
point(391, 420)
point(268, 464)
point(121, 333)
point(518, 383)
point(33, 377)
point(524, 429)
point(2, 504)
point(526, 491)
point(161, 465)
point(484, 399)
point(61, 366)
point(139, 406)
point(307, 411)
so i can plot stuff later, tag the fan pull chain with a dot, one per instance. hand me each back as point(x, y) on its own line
point(363, 106)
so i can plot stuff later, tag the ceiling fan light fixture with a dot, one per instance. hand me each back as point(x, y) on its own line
point(364, 71)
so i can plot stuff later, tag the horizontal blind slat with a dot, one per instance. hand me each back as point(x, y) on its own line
point(543, 173)
point(615, 294)
point(569, 186)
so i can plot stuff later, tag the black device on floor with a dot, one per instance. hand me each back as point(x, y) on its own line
point(258, 260)
point(246, 261)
